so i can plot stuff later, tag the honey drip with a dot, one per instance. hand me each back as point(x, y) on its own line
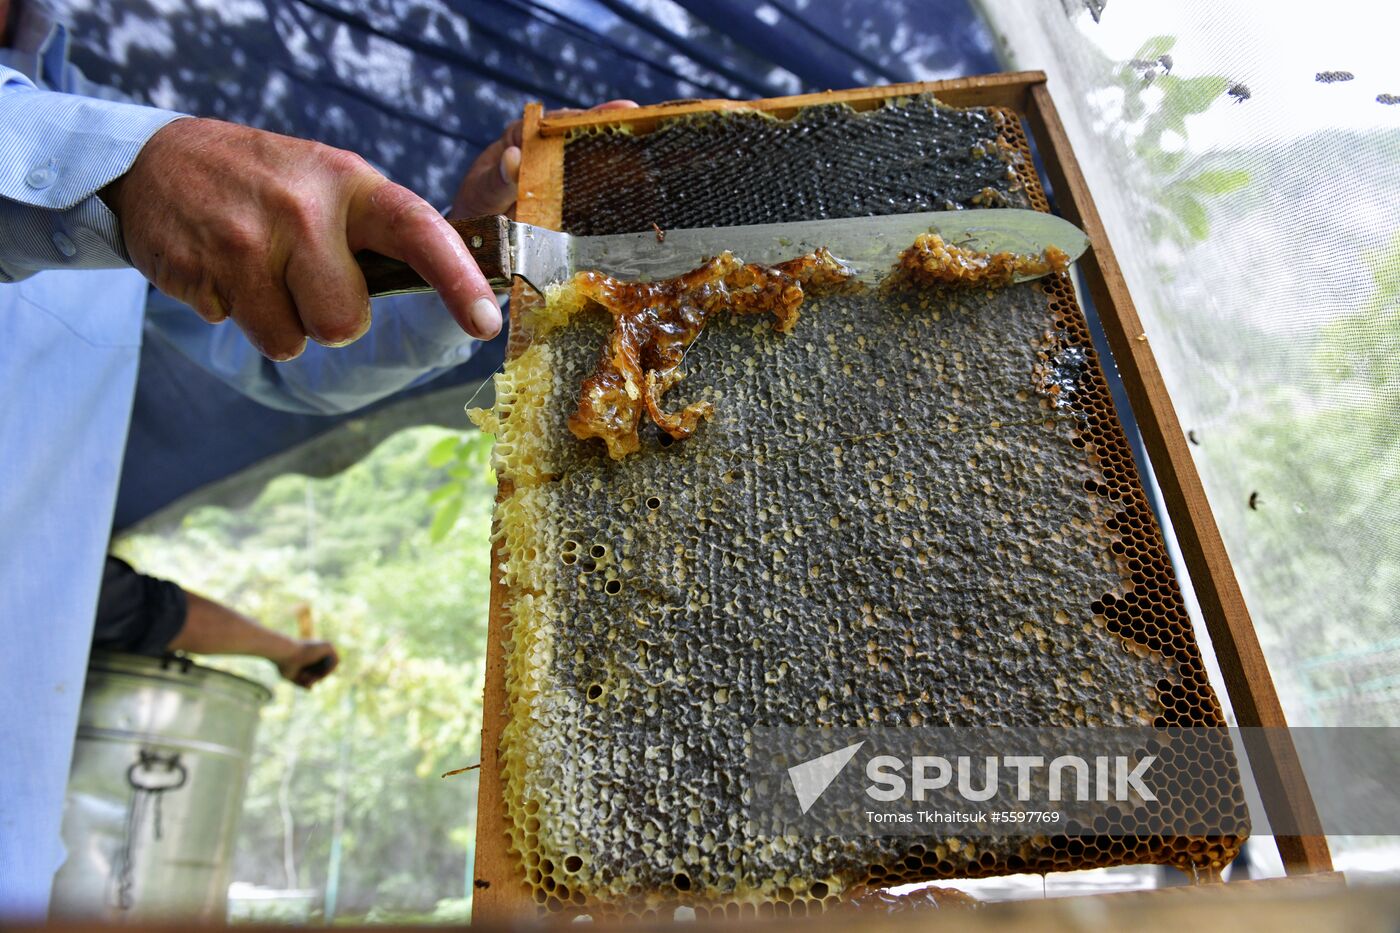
point(655, 322)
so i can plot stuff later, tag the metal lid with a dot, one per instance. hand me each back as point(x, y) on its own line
point(177, 670)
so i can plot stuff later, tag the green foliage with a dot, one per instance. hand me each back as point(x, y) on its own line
point(1216, 181)
point(1316, 438)
point(1155, 47)
point(467, 462)
point(394, 563)
point(1149, 125)
point(1368, 355)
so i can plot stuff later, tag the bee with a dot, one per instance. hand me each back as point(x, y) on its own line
point(1239, 91)
point(660, 234)
point(1254, 500)
point(1074, 7)
point(1149, 70)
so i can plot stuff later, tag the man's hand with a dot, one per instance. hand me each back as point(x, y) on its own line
point(308, 662)
point(241, 223)
point(489, 185)
point(213, 628)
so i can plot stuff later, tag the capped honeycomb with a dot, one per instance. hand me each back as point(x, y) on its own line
point(917, 507)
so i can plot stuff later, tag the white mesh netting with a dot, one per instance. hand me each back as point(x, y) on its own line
point(1246, 159)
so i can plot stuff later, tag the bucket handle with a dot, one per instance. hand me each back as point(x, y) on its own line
point(156, 773)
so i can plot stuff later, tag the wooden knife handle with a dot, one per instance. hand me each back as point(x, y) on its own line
point(487, 239)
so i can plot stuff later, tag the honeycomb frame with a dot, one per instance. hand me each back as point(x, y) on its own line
point(1139, 551)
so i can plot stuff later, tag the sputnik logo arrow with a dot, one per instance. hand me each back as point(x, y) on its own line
point(811, 778)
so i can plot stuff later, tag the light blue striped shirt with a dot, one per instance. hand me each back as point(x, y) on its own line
point(57, 148)
point(72, 315)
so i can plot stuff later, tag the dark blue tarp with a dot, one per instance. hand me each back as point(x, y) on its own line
point(420, 86)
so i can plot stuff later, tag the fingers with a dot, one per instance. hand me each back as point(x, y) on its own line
point(514, 134)
point(620, 104)
point(510, 169)
point(319, 662)
point(396, 222)
point(329, 292)
point(489, 186)
point(210, 307)
point(264, 309)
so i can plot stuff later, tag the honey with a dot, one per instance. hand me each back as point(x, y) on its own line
point(655, 323)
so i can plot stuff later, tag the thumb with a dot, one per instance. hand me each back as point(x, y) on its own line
point(490, 184)
point(510, 169)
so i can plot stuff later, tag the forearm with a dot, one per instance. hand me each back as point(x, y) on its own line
point(214, 629)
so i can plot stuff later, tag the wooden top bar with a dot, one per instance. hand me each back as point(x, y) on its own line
point(1000, 90)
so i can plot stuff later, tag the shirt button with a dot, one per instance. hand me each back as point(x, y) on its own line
point(42, 176)
point(64, 245)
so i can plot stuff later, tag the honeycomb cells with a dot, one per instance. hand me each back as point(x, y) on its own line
point(916, 509)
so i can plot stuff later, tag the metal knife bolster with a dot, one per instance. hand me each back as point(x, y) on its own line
point(538, 255)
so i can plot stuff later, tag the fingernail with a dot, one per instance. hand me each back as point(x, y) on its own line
point(361, 329)
point(486, 317)
point(510, 166)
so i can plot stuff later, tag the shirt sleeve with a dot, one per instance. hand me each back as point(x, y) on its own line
point(137, 613)
point(412, 340)
point(56, 152)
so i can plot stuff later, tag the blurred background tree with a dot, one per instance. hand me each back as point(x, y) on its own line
point(389, 559)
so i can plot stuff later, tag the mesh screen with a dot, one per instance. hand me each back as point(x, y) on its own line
point(730, 169)
point(918, 508)
point(1247, 165)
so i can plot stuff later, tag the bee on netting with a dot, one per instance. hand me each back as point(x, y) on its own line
point(1254, 500)
point(1151, 69)
point(1239, 91)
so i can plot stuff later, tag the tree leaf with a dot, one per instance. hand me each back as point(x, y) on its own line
point(1191, 213)
point(1163, 163)
point(1191, 95)
point(444, 492)
point(1217, 181)
point(1155, 47)
point(443, 452)
point(445, 519)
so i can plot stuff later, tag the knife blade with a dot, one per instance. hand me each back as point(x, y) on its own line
point(869, 246)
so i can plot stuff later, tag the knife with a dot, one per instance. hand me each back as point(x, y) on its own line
point(869, 246)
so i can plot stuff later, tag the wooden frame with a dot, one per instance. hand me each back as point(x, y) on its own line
point(500, 891)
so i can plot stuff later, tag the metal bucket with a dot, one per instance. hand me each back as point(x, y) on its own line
point(156, 789)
